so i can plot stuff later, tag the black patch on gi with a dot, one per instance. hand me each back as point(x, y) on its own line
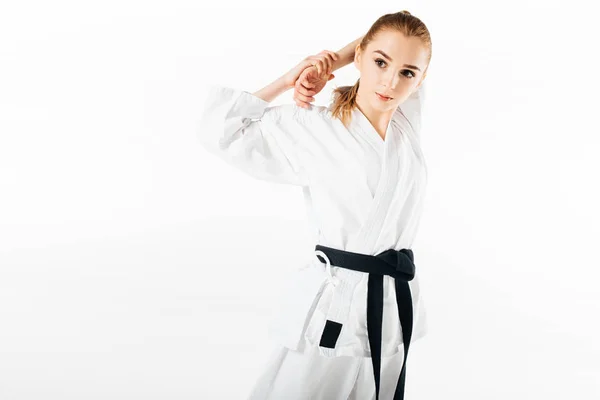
point(330, 334)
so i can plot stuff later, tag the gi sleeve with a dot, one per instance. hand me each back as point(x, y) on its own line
point(245, 132)
point(412, 108)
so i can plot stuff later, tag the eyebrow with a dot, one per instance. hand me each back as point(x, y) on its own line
point(390, 58)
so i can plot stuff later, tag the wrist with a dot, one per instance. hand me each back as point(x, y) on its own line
point(342, 62)
point(272, 90)
point(346, 54)
point(282, 84)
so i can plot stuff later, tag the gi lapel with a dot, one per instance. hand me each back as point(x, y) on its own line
point(375, 213)
point(366, 239)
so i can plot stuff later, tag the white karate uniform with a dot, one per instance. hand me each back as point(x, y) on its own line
point(362, 194)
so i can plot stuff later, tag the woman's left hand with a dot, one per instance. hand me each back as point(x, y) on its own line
point(290, 78)
point(313, 79)
point(322, 62)
point(308, 85)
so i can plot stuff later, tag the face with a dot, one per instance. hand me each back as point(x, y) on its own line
point(393, 66)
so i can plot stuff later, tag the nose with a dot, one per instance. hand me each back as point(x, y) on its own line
point(391, 80)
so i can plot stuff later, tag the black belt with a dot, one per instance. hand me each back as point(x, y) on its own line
point(398, 264)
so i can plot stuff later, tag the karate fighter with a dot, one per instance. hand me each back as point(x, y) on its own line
point(353, 308)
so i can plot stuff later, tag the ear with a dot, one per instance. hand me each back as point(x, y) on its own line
point(357, 56)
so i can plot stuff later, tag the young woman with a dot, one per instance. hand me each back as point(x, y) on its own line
point(352, 309)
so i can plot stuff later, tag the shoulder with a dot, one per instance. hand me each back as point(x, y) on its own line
point(412, 108)
point(298, 114)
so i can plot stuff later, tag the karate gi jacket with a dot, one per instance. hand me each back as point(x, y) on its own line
point(362, 194)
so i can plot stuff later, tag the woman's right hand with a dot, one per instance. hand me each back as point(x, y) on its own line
point(314, 78)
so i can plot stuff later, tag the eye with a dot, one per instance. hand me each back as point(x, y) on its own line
point(379, 60)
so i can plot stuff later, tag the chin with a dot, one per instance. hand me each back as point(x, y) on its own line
point(384, 106)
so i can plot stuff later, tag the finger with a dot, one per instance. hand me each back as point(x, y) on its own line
point(325, 64)
point(302, 104)
point(297, 71)
point(303, 98)
point(328, 65)
point(303, 82)
point(302, 91)
point(309, 63)
point(330, 53)
point(313, 61)
point(316, 69)
point(301, 88)
point(308, 85)
point(328, 57)
point(335, 57)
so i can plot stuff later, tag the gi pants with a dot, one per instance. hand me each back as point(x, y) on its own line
point(307, 375)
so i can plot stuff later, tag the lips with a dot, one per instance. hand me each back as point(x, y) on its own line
point(387, 97)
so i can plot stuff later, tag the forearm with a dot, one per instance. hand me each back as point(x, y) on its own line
point(278, 86)
point(272, 90)
point(346, 54)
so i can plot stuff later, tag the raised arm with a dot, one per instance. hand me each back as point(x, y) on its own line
point(283, 83)
point(261, 140)
point(346, 54)
point(312, 82)
point(272, 90)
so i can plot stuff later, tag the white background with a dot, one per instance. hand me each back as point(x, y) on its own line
point(134, 265)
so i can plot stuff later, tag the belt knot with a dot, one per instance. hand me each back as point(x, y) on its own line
point(401, 261)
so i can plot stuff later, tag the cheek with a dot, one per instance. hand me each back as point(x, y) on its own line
point(372, 75)
point(371, 69)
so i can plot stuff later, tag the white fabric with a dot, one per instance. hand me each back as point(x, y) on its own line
point(363, 194)
point(293, 375)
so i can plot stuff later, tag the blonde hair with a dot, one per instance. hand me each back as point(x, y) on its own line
point(344, 97)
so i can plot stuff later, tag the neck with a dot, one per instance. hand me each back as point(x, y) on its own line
point(378, 118)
